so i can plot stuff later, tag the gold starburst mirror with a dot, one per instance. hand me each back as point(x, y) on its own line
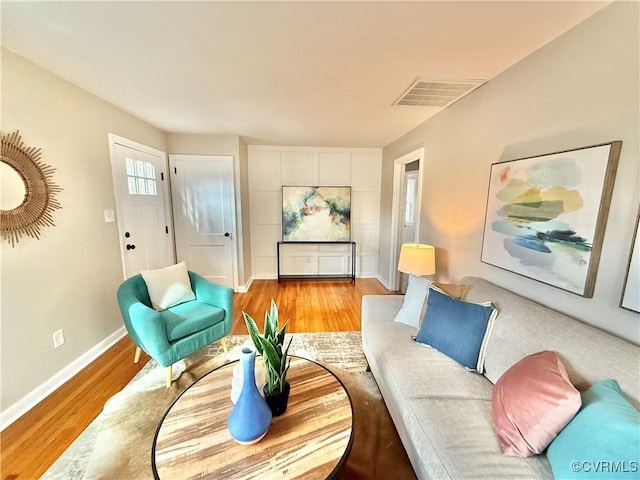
point(25, 208)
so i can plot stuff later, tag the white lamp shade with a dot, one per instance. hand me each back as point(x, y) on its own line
point(417, 259)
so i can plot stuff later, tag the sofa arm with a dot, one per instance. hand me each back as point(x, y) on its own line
point(380, 308)
point(148, 330)
point(213, 294)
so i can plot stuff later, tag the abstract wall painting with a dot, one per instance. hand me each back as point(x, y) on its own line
point(316, 214)
point(546, 215)
point(631, 293)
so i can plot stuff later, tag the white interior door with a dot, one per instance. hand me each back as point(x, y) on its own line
point(203, 208)
point(141, 204)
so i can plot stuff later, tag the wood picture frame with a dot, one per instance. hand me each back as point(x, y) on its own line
point(546, 215)
point(630, 298)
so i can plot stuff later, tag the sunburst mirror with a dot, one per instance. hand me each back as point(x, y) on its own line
point(26, 208)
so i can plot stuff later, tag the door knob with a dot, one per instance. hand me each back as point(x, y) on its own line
point(130, 247)
point(227, 234)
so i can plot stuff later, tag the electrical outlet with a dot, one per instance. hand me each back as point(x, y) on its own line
point(58, 338)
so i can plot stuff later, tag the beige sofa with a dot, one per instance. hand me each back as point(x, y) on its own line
point(443, 412)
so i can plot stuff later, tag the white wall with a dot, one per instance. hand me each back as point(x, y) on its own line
point(202, 144)
point(272, 167)
point(68, 278)
point(581, 89)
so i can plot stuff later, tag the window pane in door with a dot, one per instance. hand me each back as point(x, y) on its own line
point(133, 185)
point(131, 168)
point(151, 170)
point(142, 186)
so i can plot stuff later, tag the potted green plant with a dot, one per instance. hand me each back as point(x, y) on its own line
point(270, 346)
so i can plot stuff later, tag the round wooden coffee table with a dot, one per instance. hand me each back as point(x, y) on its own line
point(312, 440)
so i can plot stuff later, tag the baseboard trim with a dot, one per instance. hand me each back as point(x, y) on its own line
point(245, 288)
point(18, 409)
point(383, 281)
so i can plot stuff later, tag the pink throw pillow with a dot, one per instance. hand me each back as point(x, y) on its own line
point(532, 402)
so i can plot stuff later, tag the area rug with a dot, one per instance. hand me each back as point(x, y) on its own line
point(117, 445)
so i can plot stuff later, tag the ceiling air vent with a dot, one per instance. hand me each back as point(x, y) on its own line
point(425, 92)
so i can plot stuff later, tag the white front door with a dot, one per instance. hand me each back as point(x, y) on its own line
point(204, 207)
point(141, 193)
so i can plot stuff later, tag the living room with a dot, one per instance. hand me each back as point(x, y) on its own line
point(580, 89)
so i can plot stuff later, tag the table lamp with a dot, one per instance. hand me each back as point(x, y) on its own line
point(417, 259)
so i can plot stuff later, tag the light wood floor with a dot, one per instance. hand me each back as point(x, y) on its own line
point(31, 445)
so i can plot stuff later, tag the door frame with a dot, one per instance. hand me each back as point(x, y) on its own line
point(166, 192)
point(234, 235)
point(397, 209)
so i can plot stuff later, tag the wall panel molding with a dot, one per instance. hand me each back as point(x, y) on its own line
point(270, 167)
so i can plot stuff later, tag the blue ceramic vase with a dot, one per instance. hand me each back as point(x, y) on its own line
point(250, 418)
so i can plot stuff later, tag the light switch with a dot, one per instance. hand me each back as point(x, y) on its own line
point(108, 216)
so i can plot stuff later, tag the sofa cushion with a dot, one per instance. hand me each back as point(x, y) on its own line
point(532, 402)
point(525, 327)
point(457, 441)
point(168, 286)
point(426, 373)
point(458, 329)
point(189, 318)
point(603, 440)
point(454, 290)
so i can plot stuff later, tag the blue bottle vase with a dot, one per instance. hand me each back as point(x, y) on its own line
point(250, 418)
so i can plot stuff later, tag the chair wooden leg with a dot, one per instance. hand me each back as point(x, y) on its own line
point(168, 384)
point(136, 358)
point(223, 342)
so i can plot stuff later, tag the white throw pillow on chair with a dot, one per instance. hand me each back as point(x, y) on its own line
point(168, 286)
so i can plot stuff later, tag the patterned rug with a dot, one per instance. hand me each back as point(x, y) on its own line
point(117, 444)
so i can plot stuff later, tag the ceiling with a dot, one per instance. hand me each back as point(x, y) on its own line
point(283, 73)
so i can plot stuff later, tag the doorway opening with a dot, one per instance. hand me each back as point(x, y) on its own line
point(407, 177)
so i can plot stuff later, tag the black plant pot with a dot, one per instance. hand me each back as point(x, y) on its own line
point(277, 401)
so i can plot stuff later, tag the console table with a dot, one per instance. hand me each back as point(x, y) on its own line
point(351, 275)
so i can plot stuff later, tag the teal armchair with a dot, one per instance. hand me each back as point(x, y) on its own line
point(173, 334)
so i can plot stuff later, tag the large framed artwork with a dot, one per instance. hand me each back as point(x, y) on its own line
point(631, 293)
point(546, 215)
point(316, 214)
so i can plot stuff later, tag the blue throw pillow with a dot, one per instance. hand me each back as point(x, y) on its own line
point(602, 440)
point(458, 329)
